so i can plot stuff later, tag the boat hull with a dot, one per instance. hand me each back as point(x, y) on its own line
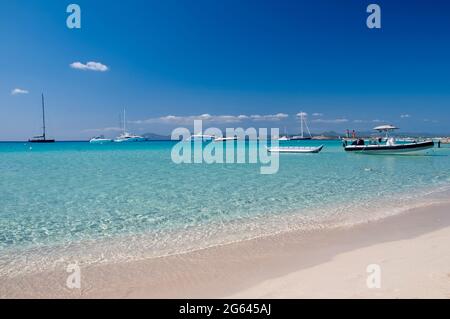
point(41, 141)
point(130, 140)
point(301, 138)
point(298, 150)
point(390, 150)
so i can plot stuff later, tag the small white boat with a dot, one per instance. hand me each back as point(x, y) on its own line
point(100, 140)
point(225, 139)
point(295, 149)
point(126, 137)
point(200, 137)
point(387, 145)
point(285, 137)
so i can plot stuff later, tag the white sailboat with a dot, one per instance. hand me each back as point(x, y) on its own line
point(303, 125)
point(126, 137)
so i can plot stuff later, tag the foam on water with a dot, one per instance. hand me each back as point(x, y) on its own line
point(104, 203)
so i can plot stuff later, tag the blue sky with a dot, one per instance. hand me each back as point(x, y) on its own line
point(171, 61)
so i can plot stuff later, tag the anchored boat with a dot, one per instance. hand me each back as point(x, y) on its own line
point(100, 140)
point(225, 139)
point(390, 147)
point(303, 125)
point(126, 137)
point(285, 137)
point(295, 149)
point(42, 138)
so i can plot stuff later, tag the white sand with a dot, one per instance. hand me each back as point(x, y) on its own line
point(413, 268)
point(413, 250)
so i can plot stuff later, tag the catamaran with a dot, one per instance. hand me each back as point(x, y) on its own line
point(126, 137)
point(303, 124)
point(390, 147)
point(42, 138)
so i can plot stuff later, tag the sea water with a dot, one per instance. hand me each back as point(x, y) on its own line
point(85, 203)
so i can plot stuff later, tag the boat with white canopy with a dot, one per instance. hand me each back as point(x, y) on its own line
point(387, 145)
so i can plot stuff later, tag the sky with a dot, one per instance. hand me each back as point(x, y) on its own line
point(233, 63)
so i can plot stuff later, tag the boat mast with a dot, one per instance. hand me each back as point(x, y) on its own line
point(301, 123)
point(124, 121)
point(307, 128)
point(43, 117)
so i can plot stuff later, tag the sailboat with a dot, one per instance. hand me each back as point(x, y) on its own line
point(42, 138)
point(126, 137)
point(303, 124)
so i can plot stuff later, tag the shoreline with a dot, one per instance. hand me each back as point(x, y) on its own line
point(133, 248)
point(255, 268)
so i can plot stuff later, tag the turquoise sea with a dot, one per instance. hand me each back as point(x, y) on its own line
point(78, 202)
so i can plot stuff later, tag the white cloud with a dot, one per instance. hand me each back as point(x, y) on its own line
point(317, 114)
point(359, 121)
point(331, 121)
point(302, 114)
point(18, 91)
point(270, 117)
point(405, 116)
point(173, 119)
point(91, 66)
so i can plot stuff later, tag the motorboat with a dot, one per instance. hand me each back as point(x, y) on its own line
point(295, 149)
point(225, 139)
point(387, 145)
point(100, 140)
point(200, 137)
point(42, 138)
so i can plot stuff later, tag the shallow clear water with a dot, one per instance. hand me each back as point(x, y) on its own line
point(132, 200)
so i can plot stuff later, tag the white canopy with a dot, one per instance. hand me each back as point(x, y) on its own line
point(385, 128)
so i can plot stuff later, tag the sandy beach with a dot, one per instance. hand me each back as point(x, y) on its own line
point(411, 249)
